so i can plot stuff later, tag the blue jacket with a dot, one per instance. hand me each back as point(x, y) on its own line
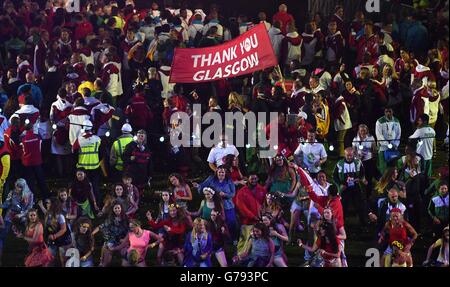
point(227, 187)
point(417, 38)
point(192, 253)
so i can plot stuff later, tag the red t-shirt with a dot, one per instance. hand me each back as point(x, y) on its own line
point(328, 247)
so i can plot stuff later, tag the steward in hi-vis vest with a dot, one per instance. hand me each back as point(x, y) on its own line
point(90, 155)
point(118, 148)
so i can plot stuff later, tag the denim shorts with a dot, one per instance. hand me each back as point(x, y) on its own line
point(89, 262)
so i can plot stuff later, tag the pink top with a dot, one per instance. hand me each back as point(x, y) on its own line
point(139, 243)
point(30, 233)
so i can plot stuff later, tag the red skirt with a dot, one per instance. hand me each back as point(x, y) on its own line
point(39, 256)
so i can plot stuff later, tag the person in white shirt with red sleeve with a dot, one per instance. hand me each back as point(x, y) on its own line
point(60, 146)
point(313, 154)
point(425, 135)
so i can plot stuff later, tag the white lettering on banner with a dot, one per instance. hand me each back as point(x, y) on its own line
point(216, 60)
point(248, 44)
point(243, 65)
point(219, 58)
point(227, 55)
point(206, 61)
point(196, 57)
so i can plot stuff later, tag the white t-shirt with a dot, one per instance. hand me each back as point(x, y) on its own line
point(218, 153)
point(312, 153)
point(366, 152)
point(426, 134)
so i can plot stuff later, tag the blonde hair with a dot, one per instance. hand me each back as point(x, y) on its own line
point(194, 232)
point(133, 257)
point(235, 99)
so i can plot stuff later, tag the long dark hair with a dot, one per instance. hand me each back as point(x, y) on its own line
point(111, 214)
point(53, 212)
point(265, 233)
point(177, 176)
point(218, 202)
point(227, 172)
point(85, 237)
point(274, 166)
point(219, 219)
point(111, 197)
point(84, 185)
point(161, 202)
point(330, 234)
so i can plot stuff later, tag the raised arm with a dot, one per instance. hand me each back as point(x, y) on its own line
point(342, 235)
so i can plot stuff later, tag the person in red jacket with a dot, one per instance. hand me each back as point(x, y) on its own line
point(178, 99)
point(420, 100)
point(248, 203)
point(28, 114)
point(23, 66)
point(40, 52)
point(83, 27)
point(138, 112)
point(173, 234)
point(101, 114)
point(368, 43)
point(60, 145)
point(283, 17)
point(32, 160)
point(291, 46)
point(332, 201)
point(334, 45)
point(338, 17)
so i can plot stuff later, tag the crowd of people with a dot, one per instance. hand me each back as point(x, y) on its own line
point(85, 122)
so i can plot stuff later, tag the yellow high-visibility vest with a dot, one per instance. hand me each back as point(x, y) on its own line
point(119, 147)
point(89, 157)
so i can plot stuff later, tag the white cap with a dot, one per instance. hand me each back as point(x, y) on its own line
point(87, 125)
point(302, 115)
point(126, 128)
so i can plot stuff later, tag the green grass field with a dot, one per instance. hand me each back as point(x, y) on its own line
point(356, 245)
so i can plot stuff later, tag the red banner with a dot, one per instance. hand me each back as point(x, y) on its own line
point(250, 52)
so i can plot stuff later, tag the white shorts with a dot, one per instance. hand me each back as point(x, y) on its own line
point(295, 207)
